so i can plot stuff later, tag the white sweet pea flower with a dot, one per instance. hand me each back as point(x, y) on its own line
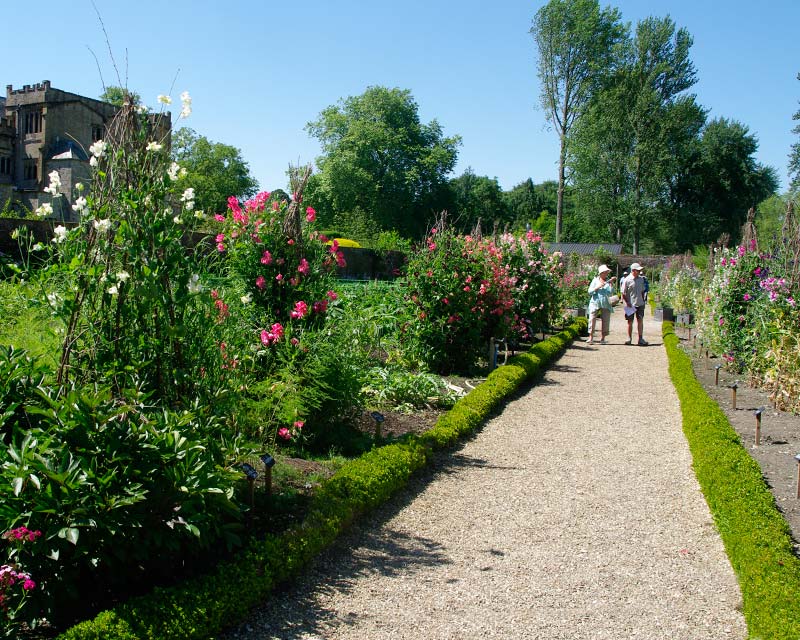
point(123, 276)
point(37, 247)
point(186, 101)
point(140, 109)
point(194, 285)
point(177, 220)
point(98, 149)
point(112, 290)
point(55, 184)
point(53, 299)
point(80, 205)
point(174, 171)
point(154, 146)
point(247, 299)
point(102, 225)
point(92, 161)
point(44, 210)
point(200, 215)
point(60, 234)
point(164, 99)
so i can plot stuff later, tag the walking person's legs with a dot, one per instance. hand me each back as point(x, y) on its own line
point(640, 326)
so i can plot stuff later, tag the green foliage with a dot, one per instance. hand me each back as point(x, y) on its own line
point(680, 287)
point(130, 298)
point(461, 293)
point(794, 156)
point(214, 170)
point(116, 493)
point(28, 320)
point(756, 537)
point(641, 124)
point(477, 198)
point(577, 45)
point(379, 159)
point(396, 388)
point(119, 96)
point(204, 606)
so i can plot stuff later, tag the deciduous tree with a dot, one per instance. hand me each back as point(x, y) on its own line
point(378, 160)
point(576, 42)
point(214, 170)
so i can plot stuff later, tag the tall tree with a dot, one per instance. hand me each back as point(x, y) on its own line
point(794, 156)
point(117, 95)
point(380, 162)
point(629, 145)
point(214, 170)
point(478, 197)
point(576, 41)
point(723, 182)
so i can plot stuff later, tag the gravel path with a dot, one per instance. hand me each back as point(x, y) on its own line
point(573, 514)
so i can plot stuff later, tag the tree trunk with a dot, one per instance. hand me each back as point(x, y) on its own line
point(560, 203)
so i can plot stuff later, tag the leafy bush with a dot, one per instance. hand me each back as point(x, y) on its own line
point(462, 295)
point(204, 606)
point(120, 493)
point(395, 387)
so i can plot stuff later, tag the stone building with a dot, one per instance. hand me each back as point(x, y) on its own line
point(43, 129)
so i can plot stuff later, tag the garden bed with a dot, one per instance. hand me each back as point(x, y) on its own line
point(780, 431)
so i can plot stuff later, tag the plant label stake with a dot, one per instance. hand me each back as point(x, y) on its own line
point(378, 418)
point(251, 474)
point(716, 374)
point(797, 457)
point(689, 335)
point(269, 462)
point(734, 386)
point(758, 413)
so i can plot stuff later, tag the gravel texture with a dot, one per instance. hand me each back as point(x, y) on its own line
point(572, 514)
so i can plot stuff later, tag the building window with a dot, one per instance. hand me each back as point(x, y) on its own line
point(32, 121)
point(5, 165)
point(30, 170)
point(97, 132)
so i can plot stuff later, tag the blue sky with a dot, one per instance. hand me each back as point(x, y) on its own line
point(258, 71)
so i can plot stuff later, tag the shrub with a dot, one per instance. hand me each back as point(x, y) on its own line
point(756, 537)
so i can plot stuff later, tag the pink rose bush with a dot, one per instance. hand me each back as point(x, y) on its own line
point(466, 290)
point(15, 583)
point(274, 255)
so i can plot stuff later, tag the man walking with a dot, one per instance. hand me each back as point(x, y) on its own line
point(633, 292)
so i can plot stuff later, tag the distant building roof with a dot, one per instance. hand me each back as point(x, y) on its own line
point(67, 150)
point(583, 248)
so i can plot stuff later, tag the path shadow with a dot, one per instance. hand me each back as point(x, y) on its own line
point(297, 610)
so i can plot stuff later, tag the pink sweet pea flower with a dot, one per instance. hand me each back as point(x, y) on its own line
point(304, 267)
point(332, 295)
point(266, 258)
point(311, 214)
point(299, 424)
point(284, 433)
point(300, 310)
point(261, 282)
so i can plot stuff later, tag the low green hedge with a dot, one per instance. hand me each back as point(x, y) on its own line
point(202, 607)
point(756, 537)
